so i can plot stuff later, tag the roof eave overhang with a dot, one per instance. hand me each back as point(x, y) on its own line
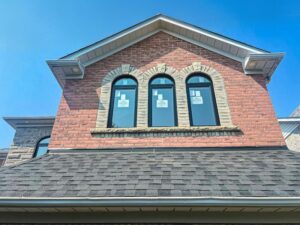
point(289, 119)
point(151, 210)
point(264, 64)
point(289, 125)
point(254, 60)
point(21, 122)
point(64, 69)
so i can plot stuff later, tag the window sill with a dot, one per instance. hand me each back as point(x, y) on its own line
point(167, 131)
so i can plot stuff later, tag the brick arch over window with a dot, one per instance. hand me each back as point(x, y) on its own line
point(106, 85)
point(148, 75)
point(179, 77)
point(219, 89)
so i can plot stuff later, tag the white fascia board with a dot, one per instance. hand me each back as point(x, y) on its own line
point(158, 25)
point(98, 58)
point(263, 56)
point(61, 63)
point(150, 201)
point(198, 43)
point(115, 37)
point(43, 121)
point(91, 61)
point(64, 62)
point(277, 57)
point(214, 36)
point(274, 55)
point(291, 119)
point(167, 20)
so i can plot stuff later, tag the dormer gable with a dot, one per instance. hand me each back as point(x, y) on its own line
point(253, 59)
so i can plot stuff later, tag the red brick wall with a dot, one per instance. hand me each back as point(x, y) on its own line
point(249, 101)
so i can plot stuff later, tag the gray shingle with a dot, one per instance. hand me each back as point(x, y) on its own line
point(166, 173)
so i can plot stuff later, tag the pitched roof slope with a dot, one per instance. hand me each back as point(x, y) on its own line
point(156, 174)
point(254, 60)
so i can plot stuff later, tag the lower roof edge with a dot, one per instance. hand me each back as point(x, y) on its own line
point(150, 202)
point(154, 149)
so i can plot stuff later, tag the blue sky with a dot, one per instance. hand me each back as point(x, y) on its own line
point(34, 31)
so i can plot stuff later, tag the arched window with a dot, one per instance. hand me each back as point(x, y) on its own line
point(123, 103)
point(41, 147)
point(201, 101)
point(162, 102)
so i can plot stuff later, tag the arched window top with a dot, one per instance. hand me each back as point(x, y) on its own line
point(123, 106)
point(45, 140)
point(161, 80)
point(162, 102)
point(201, 101)
point(42, 147)
point(124, 81)
point(198, 79)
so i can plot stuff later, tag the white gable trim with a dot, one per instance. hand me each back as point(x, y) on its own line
point(254, 60)
point(239, 59)
point(96, 59)
point(214, 36)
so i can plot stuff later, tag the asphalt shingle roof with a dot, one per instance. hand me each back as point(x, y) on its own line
point(168, 173)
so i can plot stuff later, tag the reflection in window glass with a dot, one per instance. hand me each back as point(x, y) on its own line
point(198, 79)
point(161, 81)
point(162, 107)
point(123, 105)
point(201, 102)
point(42, 147)
point(125, 81)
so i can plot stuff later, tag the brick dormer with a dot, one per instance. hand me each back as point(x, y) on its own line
point(237, 75)
point(163, 122)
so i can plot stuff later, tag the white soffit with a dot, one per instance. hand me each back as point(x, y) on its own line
point(254, 60)
point(288, 125)
point(66, 69)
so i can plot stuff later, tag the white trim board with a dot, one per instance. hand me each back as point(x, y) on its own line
point(254, 60)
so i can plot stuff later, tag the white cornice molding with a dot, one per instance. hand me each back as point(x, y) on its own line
point(289, 119)
point(66, 69)
point(264, 64)
point(41, 121)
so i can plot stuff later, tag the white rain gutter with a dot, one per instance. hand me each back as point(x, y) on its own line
point(289, 119)
point(150, 201)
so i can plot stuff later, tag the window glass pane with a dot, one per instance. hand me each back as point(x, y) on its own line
point(41, 150)
point(162, 80)
point(197, 80)
point(123, 114)
point(202, 106)
point(42, 147)
point(163, 107)
point(45, 141)
point(126, 81)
